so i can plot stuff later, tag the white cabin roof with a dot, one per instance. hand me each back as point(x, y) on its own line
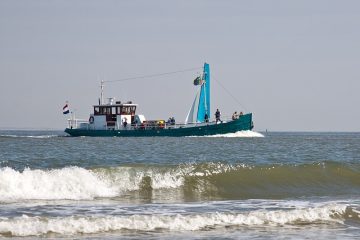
point(117, 105)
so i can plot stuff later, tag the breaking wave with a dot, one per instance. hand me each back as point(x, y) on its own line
point(67, 183)
point(189, 181)
point(37, 226)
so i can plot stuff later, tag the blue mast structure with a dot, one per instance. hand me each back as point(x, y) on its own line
point(204, 100)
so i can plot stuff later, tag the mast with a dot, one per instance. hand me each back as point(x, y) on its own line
point(204, 100)
point(207, 88)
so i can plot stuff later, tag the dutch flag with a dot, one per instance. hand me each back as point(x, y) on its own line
point(66, 109)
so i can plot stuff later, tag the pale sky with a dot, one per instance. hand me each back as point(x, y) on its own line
point(294, 64)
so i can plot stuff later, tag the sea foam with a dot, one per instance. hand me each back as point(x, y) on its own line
point(238, 134)
point(36, 226)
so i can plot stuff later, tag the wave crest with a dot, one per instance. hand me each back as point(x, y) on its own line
point(37, 226)
point(190, 181)
point(67, 183)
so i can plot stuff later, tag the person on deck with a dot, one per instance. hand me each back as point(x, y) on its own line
point(206, 117)
point(217, 116)
point(125, 122)
point(235, 116)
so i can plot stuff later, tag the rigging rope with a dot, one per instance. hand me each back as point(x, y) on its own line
point(154, 75)
point(223, 87)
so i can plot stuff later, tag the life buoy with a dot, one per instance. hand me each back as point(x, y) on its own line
point(91, 119)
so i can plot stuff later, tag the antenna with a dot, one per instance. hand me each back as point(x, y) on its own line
point(102, 92)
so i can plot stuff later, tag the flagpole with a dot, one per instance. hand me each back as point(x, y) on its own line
point(73, 118)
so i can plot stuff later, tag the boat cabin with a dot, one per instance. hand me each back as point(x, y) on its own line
point(107, 116)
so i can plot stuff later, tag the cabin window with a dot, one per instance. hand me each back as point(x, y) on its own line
point(105, 110)
point(96, 111)
point(125, 110)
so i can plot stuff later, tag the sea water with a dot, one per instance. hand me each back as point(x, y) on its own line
point(234, 186)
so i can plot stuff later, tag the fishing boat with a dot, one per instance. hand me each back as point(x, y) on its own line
point(120, 119)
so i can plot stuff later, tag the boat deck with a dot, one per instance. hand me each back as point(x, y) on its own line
point(190, 129)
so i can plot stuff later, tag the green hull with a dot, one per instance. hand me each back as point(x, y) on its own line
point(241, 124)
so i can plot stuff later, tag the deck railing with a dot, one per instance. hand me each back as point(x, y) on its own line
point(76, 123)
point(84, 124)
